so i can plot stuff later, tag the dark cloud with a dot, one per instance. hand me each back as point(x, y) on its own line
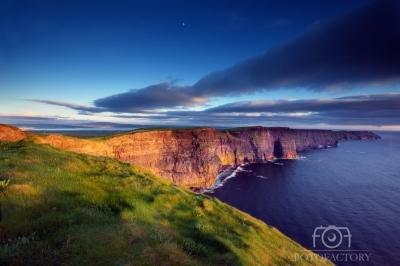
point(365, 105)
point(84, 109)
point(163, 95)
point(373, 110)
point(377, 110)
point(163, 116)
point(359, 48)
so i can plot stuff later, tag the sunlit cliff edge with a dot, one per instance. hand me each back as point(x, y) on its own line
point(194, 157)
point(10, 133)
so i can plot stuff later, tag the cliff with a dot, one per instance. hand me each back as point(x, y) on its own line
point(10, 133)
point(194, 157)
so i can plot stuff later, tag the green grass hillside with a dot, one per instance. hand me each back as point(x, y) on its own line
point(64, 208)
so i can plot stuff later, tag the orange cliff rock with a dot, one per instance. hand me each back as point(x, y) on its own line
point(191, 157)
point(194, 157)
point(10, 133)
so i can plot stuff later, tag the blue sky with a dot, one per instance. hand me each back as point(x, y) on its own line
point(304, 64)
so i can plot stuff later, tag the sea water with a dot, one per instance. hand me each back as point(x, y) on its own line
point(342, 203)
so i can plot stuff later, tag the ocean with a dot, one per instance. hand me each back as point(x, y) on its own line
point(343, 203)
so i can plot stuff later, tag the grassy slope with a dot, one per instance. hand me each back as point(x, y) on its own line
point(141, 130)
point(73, 209)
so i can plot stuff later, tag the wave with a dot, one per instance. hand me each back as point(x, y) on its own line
point(241, 169)
point(222, 177)
point(295, 158)
point(358, 151)
point(232, 171)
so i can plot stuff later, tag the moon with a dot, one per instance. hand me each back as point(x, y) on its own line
point(183, 24)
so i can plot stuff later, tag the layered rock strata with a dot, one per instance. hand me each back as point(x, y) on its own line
point(194, 157)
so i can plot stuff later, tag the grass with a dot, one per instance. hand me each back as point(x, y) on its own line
point(141, 130)
point(64, 208)
point(82, 134)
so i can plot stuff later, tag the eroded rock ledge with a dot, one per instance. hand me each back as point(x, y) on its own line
point(194, 157)
point(10, 133)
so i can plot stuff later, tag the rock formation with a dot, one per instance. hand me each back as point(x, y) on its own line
point(10, 133)
point(194, 157)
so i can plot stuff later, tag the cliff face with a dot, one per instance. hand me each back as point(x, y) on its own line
point(355, 135)
point(10, 133)
point(194, 157)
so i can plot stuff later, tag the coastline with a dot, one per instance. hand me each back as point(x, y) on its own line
point(230, 171)
point(350, 187)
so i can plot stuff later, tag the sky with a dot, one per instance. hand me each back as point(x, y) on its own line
point(330, 64)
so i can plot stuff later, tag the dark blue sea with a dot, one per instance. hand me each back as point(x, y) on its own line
point(343, 203)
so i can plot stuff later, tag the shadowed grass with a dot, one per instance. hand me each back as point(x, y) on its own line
point(140, 130)
point(64, 208)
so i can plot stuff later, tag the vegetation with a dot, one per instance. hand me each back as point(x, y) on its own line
point(240, 128)
point(140, 130)
point(64, 208)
